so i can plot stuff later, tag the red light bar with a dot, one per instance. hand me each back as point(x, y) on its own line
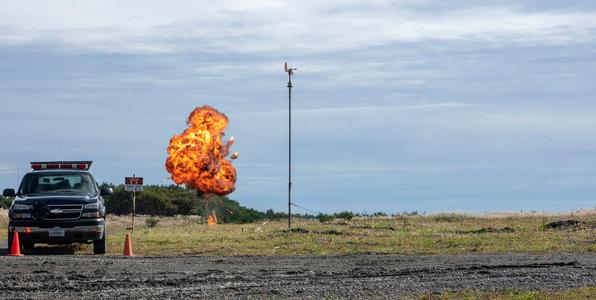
point(80, 165)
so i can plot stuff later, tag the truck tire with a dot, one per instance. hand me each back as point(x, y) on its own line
point(9, 240)
point(28, 245)
point(99, 246)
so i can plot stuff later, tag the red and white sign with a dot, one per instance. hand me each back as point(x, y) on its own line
point(133, 184)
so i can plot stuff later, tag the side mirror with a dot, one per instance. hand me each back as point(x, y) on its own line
point(8, 193)
point(106, 191)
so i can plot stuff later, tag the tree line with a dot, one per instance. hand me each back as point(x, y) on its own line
point(170, 200)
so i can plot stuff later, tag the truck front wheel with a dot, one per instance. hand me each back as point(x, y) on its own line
point(28, 245)
point(9, 240)
point(99, 246)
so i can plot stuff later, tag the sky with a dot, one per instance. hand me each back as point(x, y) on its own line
point(428, 106)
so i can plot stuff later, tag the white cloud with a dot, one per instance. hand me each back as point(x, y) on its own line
point(485, 93)
point(274, 26)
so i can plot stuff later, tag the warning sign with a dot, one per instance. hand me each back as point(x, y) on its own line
point(133, 184)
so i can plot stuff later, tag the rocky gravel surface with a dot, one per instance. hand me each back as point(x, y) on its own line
point(350, 276)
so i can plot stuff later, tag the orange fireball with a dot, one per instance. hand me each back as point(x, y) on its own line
point(212, 218)
point(197, 157)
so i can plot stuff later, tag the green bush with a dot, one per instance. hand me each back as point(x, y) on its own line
point(151, 203)
point(347, 215)
point(119, 203)
point(184, 206)
point(151, 221)
point(5, 202)
point(324, 217)
point(230, 211)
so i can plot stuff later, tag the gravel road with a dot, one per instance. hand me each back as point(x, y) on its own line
point(351, 276)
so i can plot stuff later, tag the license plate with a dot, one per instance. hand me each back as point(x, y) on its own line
point(56, 232)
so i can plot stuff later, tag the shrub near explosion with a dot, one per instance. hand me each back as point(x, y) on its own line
point(197, 157)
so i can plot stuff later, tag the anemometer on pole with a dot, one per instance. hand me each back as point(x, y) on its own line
point(290, 72)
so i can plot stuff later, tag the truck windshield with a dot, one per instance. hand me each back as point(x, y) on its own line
point(80, 184)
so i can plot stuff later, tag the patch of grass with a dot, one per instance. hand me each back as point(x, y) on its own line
point(450, 217)
point(571, 294)
point(324, 218)
point(3, 221)
point(422, 235)
point(406, 235)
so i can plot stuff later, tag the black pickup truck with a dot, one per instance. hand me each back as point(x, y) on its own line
point(58, 203)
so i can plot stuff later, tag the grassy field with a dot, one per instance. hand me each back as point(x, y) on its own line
point(433, 234)
point(571, 294)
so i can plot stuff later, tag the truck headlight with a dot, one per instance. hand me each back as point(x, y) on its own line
point(94, 214)
point(92, 206)
point(22, 207)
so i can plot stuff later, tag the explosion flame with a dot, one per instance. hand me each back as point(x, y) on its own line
point(197, 157)
point(212, 218)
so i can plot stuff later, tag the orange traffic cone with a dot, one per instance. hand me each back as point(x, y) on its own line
point(28, 230)
point(127, 246)
point(15, 246)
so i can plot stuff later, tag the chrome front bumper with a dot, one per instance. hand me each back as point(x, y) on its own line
point(77, 229)
point(71, 235)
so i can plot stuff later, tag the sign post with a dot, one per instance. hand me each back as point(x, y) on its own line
point(133, 184)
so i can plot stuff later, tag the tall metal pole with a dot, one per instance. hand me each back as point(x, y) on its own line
point(290, 72)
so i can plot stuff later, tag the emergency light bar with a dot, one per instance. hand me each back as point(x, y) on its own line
point(79, 165)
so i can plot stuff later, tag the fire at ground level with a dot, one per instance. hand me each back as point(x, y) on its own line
point(351, 276)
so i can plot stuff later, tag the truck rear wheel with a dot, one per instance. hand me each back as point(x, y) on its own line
point(99, 246)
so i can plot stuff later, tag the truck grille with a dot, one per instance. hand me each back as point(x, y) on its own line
point(64, 212)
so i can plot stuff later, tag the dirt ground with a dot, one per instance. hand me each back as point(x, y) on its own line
point(350, 276)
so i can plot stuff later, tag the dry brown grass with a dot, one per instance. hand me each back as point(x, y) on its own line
point(447, 233)
point(570, 294)
point(3, 219)
point(435, 234)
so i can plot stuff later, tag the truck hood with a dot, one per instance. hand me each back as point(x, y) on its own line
point(55, 200)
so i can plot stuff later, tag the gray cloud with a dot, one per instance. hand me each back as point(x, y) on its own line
point(399, 105)
point(308, 27)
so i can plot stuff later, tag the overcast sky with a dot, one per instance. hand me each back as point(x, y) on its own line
point(398, 105)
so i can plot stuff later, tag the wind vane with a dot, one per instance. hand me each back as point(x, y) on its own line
point(290, 71)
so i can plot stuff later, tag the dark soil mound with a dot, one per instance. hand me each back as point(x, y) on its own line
point(391, 228)
point(298, 230)
point(306, 231)
point(563, 224)
point(506, 229)
point(494, 230)
point(331, 231)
